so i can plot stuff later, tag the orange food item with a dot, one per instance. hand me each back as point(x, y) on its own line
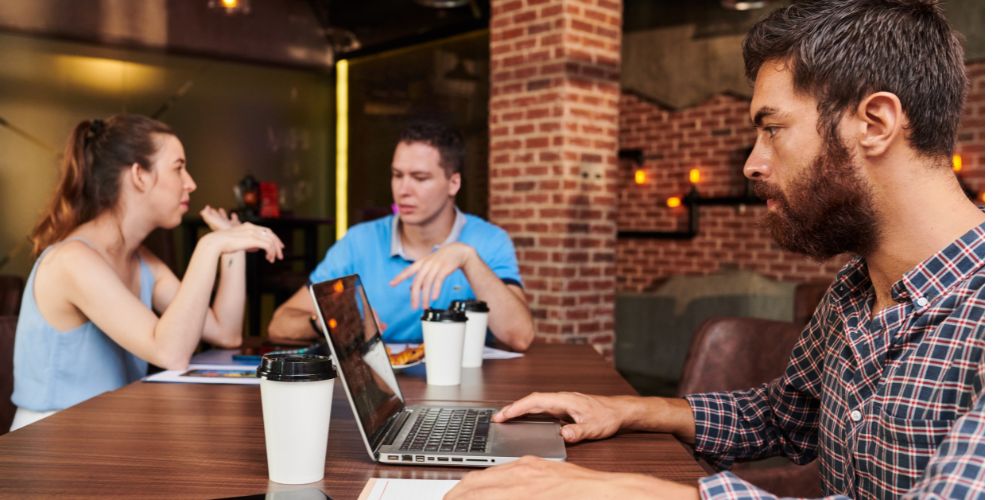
point(407, 356)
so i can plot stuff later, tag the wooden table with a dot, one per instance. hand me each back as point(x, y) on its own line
point(207, 441)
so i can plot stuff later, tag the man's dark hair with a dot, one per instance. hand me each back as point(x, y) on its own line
point(441, 136)
point(841, 51)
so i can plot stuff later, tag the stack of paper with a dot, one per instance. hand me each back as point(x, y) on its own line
point(406, 489)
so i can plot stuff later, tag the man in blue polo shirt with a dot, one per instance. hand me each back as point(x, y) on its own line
point(426, 255)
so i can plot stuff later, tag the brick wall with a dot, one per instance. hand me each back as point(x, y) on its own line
point(553, 157)
point(714, 137)
point(972, 130)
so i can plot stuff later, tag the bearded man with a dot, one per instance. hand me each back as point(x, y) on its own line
point(856, 105)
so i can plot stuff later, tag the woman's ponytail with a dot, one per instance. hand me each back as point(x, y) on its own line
point(96, 153)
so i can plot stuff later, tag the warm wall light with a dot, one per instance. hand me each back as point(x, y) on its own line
point(640, 176)
point(956, 162)
point(230, 6)
point(106, 75)
point(340, 148)
point(694, 176)
point(982, 197)
point(674, 201)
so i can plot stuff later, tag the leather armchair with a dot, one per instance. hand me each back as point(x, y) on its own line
point(738, 353)
point(11, 288)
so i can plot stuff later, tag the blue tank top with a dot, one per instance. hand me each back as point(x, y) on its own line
point(54, 370)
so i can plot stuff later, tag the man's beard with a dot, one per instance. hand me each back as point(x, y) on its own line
point(828, 209)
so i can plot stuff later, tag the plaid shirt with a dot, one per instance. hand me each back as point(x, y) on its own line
point(892, 405)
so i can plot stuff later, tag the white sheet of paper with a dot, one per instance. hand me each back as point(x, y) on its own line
point(494, 353)
point(177, 376)
point(379, 488)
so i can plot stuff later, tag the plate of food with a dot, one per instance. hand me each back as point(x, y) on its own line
point(405, 356)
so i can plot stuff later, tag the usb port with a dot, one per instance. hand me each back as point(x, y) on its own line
point(456, 459)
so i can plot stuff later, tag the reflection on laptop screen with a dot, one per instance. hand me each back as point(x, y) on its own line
point(361, 354)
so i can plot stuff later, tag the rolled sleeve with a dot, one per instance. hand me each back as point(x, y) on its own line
point(737, 425)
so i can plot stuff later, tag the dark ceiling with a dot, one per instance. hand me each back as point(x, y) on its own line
point(355, 27)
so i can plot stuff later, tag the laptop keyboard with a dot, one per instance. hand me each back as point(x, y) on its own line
point(449, 430)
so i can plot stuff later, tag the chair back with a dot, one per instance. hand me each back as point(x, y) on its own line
point(737, 353)
point(11, 289)
point(8, 325)
point(807, 297)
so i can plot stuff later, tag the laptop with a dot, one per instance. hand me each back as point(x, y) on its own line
point(395, 433)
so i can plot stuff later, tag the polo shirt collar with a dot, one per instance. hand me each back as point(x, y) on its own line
point(396, 244)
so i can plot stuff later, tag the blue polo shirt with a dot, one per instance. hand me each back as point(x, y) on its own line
point(372, 251)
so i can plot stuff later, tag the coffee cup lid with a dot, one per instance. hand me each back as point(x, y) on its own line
point(295, 367)
point(443, 316)
point(471, 305)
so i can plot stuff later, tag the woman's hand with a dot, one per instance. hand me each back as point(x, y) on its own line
point(247, 237)
point(216, 218)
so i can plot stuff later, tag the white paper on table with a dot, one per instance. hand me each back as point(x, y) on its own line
point(488, 352)
point(494, 353)
point(214, 374)
point(379, 488)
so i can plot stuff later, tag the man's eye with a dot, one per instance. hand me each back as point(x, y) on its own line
point(770, 131)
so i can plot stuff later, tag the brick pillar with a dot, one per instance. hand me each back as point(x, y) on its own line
point(553, 157)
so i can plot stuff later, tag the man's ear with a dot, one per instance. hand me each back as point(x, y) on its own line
point(881, 122)
point(454, 183)
point(141, 179)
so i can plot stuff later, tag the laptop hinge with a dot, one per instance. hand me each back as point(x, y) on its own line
point(391, 430)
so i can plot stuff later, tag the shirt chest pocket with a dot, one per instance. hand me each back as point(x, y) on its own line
point(903, 447)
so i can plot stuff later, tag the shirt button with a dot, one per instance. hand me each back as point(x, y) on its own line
point(921, 301)
point(856, 415)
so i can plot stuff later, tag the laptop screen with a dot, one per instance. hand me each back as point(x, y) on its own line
point(364, 363)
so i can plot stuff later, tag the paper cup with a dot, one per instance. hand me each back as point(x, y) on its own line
point(477, 313)
point(296, 393)
point(444, 340)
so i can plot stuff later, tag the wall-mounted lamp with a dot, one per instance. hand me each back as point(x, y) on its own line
point(692, 200)
point(694, 176)
point(230, 7)
point(956, 162)
point(638, 160)
point(744, 4)
point(640, 176)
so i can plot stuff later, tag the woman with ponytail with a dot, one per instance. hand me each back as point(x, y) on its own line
point(98, 306)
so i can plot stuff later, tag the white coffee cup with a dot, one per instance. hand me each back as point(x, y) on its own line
point(477, 313)
point(296, 393)
point(444, 339)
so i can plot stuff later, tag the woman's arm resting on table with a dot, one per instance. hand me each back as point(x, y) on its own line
point(167, 341)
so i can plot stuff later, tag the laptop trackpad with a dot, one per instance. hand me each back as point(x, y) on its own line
point(516, 439)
